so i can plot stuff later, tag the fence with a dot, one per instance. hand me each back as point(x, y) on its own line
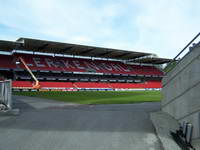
point(6, 94)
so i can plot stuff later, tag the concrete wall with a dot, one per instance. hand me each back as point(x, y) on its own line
point(181, 90)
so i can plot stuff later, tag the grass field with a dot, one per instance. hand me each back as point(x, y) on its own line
point(98, 97)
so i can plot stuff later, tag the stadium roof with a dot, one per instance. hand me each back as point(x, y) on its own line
point(152, 60)
point(79, 50)
point(43, 46)
point(8, 46)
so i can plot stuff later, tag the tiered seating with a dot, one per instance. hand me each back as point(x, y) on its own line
point(49, 85)
point(146, 70)
point(150, 84)
point(7, 62)
point(61, 66)
point(22, 84)
point(49, 63)
point(153, 84)
point(91, 85)
point(56, 85)
point(29, 84)
point(126, 85)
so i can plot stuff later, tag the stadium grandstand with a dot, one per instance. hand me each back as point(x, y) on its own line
point(34, 64)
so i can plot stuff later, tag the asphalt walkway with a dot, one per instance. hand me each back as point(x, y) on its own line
point(51, 125)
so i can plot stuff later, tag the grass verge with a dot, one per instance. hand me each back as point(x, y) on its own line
point(98, 97)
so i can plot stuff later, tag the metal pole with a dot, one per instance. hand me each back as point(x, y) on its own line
point(184, 128)
point(189, 132)
point(9, 92)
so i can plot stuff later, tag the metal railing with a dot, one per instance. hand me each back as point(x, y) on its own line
point(175, 61)
point(6, 94)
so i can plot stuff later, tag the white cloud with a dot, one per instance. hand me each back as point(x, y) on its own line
point(158, 26)
point(63, 20)
point(166, 26)
point(81, 40)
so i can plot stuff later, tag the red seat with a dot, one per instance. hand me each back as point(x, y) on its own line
point(150, 84)
point(56, 85)
point(29, 84)
point(22, 84)
point(91, 85)
point(49, 63)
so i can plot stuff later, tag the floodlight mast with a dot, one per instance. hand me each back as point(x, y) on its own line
point(37, 84)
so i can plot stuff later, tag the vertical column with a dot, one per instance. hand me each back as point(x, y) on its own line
point(9, 94)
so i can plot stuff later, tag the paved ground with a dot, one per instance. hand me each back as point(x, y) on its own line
point(196, 143)
point(49, 125)
point(164, 123)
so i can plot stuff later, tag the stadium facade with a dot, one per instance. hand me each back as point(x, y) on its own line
point(46, 65)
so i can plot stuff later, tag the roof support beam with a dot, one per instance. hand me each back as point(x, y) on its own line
point(86, 51)
point(138, 56)
point(151, 61)
point(65, 49)
point(122, 55)
point(104, 54)
point(161, 62)
point(42, 47)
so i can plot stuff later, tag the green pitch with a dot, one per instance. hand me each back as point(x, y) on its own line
point(98, 97)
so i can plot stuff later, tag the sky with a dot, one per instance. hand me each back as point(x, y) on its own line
point(162, 27)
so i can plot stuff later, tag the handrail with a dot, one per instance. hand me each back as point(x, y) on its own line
point(174, 59)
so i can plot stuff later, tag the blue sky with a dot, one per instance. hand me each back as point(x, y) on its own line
point(162, 27)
